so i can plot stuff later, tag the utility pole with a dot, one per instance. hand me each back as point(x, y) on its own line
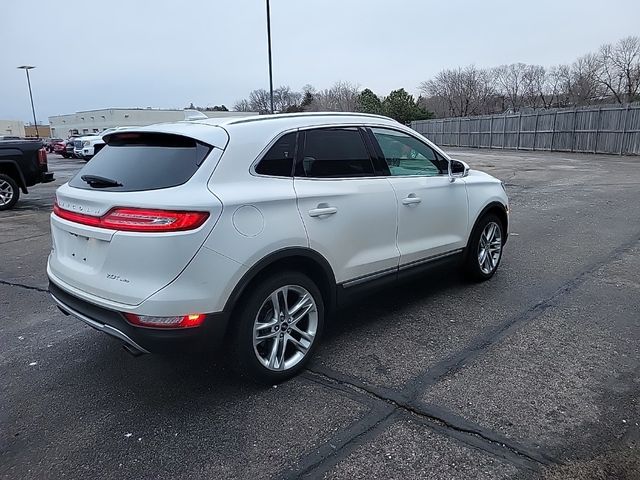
point(26, 68)
point(270, 65)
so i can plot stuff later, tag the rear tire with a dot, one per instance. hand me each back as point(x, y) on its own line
point(273, 343)
point(9, 192)
point(484, 250)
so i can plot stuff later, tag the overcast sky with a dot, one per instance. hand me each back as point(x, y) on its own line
point(161, 53)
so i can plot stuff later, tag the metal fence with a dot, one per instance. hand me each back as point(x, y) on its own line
point(605, 129)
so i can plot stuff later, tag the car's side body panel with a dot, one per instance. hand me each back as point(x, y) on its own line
point(437, 223)
point(359, 239)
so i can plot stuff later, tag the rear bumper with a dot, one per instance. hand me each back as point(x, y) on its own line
point(145, 340)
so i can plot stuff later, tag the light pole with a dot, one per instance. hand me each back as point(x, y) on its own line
point(26, 68)
point(269, 42)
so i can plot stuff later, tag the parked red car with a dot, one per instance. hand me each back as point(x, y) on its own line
point(60, 147)
point(49, 145)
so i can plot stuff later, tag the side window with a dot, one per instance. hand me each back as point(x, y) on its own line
point(406, 155)
point(335, 153)
point(278, 161)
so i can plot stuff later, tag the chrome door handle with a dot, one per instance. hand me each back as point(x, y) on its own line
point(320, 211)
point(411, 200)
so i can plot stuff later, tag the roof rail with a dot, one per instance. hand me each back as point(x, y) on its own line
point(259, 118)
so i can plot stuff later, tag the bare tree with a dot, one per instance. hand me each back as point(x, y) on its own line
point(583, 84)
point(533, 86)
point(242, 106)
point(511, 81)
point(341, 97)
point(260, 100)
point(284, 98)
point(619, 69)
point(554, 91)
point(308, 88)
point(462, 92)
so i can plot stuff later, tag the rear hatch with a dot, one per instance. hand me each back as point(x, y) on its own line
point(133, 217)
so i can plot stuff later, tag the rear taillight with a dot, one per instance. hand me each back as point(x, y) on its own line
point(180, 321)
point(42, 156)
point(137, 219)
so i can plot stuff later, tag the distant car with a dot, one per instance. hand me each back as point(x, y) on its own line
point(60, 147)
point(92, 144)
point(77, 146)
point(73, 146)
point(68, 148)
point(23, 163)
point(181, 233)
point(49, 145)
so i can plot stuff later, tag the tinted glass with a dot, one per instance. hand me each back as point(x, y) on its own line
point(406, 155)
point(146, 161)
point(278, 161)
point(335, 152)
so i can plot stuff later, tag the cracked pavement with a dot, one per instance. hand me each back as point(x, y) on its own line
point(534, 374)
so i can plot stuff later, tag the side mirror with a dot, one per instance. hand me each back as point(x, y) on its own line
point(457, 169)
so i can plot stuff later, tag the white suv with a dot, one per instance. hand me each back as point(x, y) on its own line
point(252, 231)
point(91, 144)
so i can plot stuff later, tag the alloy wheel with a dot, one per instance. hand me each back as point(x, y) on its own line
point(285, 327)
point(6, 192)
point(490, 248)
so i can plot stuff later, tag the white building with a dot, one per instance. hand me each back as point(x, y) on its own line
point(11, 128)
point(94, 121)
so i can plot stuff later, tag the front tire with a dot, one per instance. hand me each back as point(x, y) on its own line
point(279, 327)
point(9, 192)
point(484, 251)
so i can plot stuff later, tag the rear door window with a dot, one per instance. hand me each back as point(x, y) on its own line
point(133, 162)
point(335, 153)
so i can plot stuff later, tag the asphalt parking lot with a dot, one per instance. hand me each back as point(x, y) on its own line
point(534, 374)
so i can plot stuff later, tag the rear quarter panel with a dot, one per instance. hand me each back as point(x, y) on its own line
point(259, 214)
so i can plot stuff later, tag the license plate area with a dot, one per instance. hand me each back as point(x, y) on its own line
point(79, 247)
point(79, 251)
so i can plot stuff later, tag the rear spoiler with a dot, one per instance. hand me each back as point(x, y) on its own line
point(209, 134)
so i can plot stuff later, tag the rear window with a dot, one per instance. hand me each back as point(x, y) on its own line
point(142, 161)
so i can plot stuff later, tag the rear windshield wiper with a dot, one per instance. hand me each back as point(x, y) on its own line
point(100, 182)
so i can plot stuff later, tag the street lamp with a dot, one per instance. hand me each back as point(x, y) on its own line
point(26, 68)
point(269, 42)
